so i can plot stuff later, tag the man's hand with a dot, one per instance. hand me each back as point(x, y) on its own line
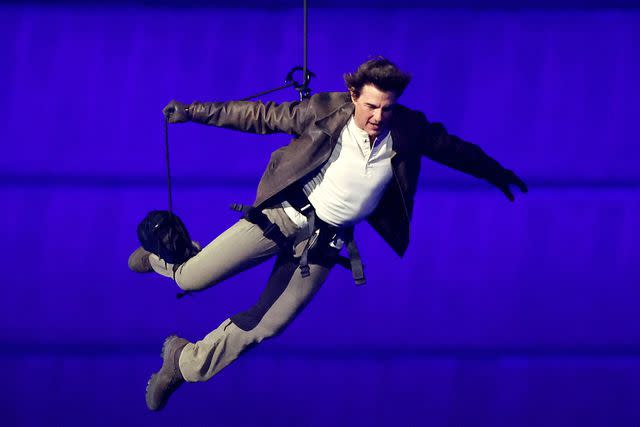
point(176, 112)
point(504, 179)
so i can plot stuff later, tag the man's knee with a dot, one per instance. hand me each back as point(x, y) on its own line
point(191, 282)
point(190, 278)
point(184, 277)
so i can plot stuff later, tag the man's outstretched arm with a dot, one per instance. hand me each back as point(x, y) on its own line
point(254, 117)
point(466, 157)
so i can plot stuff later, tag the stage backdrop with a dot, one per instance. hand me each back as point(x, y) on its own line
point(500, 314)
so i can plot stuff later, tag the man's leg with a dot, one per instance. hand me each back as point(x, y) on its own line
point(286, 294)
point(240, 247)
point(278, 305)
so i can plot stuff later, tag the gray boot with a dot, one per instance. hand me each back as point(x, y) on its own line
point(164, 382)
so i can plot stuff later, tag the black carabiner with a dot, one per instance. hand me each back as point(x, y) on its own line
point(303, 88)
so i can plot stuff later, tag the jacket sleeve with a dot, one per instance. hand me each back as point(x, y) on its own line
point(254, 117)
point(451, 151)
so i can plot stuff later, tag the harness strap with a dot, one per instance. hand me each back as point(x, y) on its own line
point(304, 257)
point(355, 261)
point(273, 232)
point(300, 202)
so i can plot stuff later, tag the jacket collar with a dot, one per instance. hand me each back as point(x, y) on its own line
point(333, 122)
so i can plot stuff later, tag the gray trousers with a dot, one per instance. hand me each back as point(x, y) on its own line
point(240, 247)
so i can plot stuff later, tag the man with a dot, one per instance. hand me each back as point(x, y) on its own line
point(354, 156)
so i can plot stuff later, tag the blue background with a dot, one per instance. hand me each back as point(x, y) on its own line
point(501, 314)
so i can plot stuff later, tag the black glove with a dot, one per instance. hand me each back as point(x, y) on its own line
point(504, 179)
point(177, 112)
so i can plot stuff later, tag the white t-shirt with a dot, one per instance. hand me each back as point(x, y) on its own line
point(351, 183)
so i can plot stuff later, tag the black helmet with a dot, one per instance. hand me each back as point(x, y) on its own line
point(163, 233)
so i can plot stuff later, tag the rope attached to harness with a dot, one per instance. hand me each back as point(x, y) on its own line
point(166, 146)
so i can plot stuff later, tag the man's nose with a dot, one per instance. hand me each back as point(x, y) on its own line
point(377, 116)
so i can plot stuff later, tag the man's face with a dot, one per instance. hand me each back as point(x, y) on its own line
point(373, 109)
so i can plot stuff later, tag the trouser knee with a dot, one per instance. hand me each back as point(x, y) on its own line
point(186, 283)
point(188, 280)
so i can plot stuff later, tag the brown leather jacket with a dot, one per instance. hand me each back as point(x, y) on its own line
point(316, 124)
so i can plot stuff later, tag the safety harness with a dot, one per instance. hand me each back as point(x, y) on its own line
point(316, 236)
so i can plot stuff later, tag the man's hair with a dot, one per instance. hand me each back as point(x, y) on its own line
point(381, 73)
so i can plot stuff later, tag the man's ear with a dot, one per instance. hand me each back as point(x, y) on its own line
point(354, 97)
